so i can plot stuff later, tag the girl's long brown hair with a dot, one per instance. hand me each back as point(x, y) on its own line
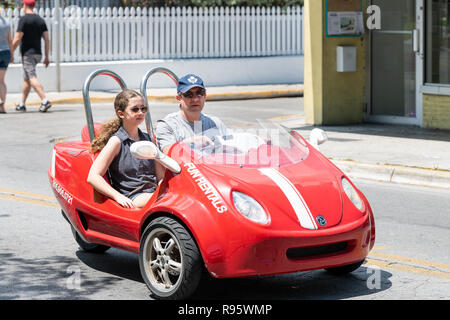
point(109, 128)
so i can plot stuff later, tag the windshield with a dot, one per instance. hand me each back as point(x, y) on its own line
point(259, 144)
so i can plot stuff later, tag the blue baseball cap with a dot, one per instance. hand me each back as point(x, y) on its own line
point(188, 82)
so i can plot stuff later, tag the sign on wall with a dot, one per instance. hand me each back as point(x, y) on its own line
point(344, 18)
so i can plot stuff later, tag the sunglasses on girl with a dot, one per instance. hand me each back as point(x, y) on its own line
point(137, 109)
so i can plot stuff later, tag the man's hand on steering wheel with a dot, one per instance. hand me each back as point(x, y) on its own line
point(199, 141)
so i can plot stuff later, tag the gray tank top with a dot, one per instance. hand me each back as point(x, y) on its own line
point(128, 173)
point(4, 30)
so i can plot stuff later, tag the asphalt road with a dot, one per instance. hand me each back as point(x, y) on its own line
point(40, 259)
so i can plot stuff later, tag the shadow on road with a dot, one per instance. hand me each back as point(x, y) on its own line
point(317, 285)
point(48, 278)
point(56, 277)
point(116, 262)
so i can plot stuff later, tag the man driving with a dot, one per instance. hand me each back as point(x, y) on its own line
point(189, 123)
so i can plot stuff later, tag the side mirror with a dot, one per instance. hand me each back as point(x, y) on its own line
point(148, 150)
point(317, 137)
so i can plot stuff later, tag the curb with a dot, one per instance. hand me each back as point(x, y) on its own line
point(221, 96)
point(435, 178)
point(245, 95)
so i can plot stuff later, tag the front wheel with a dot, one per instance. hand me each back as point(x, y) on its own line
point(170, 262)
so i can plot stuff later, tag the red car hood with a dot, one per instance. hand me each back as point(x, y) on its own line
point(299, 195)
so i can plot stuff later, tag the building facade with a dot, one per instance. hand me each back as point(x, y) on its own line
point(378, 61)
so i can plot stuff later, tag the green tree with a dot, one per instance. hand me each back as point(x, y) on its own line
point(6, 4)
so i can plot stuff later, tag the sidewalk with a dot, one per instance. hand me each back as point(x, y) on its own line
point(163, 94)
point(389, 153)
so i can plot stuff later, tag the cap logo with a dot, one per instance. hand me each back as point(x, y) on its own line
point(192, 79)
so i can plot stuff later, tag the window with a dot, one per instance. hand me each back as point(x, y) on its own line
point(438, 42)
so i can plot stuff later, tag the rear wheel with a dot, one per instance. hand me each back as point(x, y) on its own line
point(345, 269)
point(87, 246)
point(170, 262)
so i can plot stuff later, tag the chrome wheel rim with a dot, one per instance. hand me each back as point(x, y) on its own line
point(163, 260)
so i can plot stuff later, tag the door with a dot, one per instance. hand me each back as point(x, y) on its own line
point(396, 63)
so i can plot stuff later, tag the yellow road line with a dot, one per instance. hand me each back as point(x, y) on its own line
point(244, 124)
point(407, 268)
point(285, 117)
point(409, 260)
point(27, 194)
point(406, 264)
point(30, 200)
point(381, 248)
point(289, 116)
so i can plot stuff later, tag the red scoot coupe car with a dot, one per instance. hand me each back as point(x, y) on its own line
point(260, 200)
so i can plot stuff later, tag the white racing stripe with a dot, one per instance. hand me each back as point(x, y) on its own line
point(296, 200)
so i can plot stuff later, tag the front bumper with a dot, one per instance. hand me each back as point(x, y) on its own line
point(269, 252)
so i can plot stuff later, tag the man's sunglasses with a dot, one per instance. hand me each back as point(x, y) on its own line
point(137, 109)
point(200, 93)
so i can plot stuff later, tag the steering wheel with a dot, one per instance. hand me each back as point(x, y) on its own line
point(212, 148)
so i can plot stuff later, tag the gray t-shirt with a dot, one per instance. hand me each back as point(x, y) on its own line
point(4, 31)
point(174, 128)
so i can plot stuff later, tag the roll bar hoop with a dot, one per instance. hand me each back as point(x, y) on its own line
point(87, 100)
point(148, 120)
point(121, 82)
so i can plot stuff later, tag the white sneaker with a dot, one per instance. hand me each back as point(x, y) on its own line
point(45, 107)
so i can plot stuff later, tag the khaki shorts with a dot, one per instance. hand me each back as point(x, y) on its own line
point(29, 62)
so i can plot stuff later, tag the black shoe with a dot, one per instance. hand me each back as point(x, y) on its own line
point(45, 107)
point(21, 108)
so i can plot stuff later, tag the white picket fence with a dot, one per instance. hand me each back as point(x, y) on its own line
point(110, 34)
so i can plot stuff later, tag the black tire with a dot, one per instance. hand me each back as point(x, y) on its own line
point(169, 260)
point(345, 269)
point(87, 246)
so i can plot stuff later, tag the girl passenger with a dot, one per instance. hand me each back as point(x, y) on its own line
point(133, 180)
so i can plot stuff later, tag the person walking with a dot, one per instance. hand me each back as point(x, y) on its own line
point(5, 58)
point(30, 30)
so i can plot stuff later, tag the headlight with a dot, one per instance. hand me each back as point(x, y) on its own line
point(249, 207)
point(352, 194)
